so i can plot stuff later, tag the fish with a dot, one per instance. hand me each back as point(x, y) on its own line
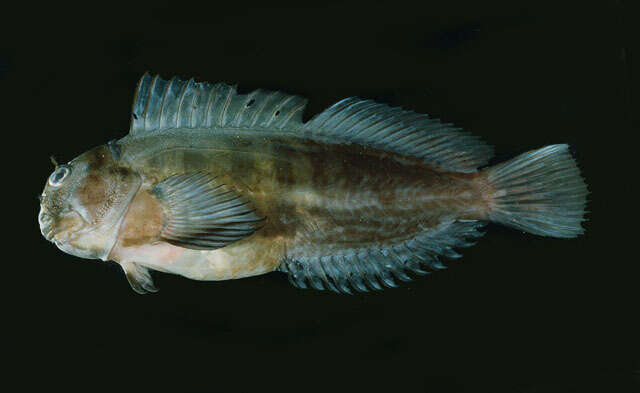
point(211, 184)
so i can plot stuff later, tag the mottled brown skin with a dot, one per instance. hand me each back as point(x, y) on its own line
point(143, 221)
point(82, 215)
point(317, 198)
point(188, 200)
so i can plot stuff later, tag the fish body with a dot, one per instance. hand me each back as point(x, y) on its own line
point(319, 199)
point(214, 185)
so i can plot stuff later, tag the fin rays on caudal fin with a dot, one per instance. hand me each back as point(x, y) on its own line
point(540, 192)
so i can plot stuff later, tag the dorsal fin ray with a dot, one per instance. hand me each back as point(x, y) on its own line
point(178, 104)
point(401, 131)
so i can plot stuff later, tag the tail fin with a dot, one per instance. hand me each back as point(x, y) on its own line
point(540, 192)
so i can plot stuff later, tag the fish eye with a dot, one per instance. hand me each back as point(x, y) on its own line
point(58, 176)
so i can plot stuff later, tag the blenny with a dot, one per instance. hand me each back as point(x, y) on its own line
point(211, 184)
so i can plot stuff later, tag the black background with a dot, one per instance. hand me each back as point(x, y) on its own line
point(518, 313)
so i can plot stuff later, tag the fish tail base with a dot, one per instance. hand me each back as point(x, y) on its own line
point(539, 192)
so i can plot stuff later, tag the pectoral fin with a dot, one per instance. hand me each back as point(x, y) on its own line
point(203, 214)
point(139, 278)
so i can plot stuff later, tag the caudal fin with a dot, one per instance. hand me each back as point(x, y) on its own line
point(540, 192)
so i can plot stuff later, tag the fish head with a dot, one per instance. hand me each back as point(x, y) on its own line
point(84, 202)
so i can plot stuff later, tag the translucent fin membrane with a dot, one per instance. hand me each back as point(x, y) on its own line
point(404, 132)
point(185, 105)
point(161, 105)
point(375, 269)
point(203, 214)
point(540, 192)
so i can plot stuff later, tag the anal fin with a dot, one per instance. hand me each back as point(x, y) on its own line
point(376, 268)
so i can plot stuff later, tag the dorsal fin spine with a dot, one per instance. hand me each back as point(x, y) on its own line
point(278, 108)
point(136, 99)
point(209, 102)
point(192, 111)
point(297, 109)
point(164, 98)
point(182, 95)
point(244, 107)
point(223, 113)
point(188, 110)
point(264, 103)
point(146, 107)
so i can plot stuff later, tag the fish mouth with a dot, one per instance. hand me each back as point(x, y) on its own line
point(46, 225)
point(53, 233)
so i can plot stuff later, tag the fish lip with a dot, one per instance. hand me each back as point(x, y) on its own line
point(46, 225)
point(48, 229)
point(47, 233)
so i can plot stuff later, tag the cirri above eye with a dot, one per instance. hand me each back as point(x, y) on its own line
point(58, 176)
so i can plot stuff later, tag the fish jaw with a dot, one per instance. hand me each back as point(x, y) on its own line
point(46, 224)
point(82, 215)
point(72, 234)
point(62, 230)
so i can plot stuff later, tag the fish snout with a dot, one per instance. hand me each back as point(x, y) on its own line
point(61, 226)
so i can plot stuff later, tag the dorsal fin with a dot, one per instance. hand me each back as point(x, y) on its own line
point(161, 104)
point(400, 131)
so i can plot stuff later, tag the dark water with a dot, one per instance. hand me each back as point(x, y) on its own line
point(518, 313)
